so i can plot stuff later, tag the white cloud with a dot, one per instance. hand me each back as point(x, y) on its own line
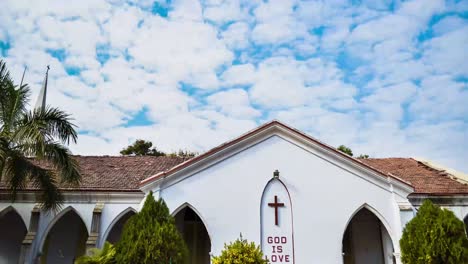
point(236, 36)
point(241, 74)
point(447, 53)
point(353, 74)
point(276, 24)
point(234, 103)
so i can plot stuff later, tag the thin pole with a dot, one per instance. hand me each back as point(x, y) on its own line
point(24, 72)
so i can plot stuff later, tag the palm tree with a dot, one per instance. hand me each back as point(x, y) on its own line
point(32, 145)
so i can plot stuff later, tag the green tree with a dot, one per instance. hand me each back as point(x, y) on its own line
point(42, 134)
point(434, 236)
point(345, 150)
point(151, 236)
point(142, 148)
point(183, 154)
point(241, 251)
point(106, 255)
point(363, 156)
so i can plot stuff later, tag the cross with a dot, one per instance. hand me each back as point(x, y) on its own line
point(276, 205)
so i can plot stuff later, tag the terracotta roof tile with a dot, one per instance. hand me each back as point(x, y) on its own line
point(117, 173)
point(425, 179)
point(124, 173)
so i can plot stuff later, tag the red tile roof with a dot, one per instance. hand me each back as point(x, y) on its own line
point(124, 173)
point(119, 173)
point(425, 179)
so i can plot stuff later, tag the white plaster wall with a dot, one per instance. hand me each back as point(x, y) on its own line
point(324, 196)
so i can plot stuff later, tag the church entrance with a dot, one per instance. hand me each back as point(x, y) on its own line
point(195, 235)
point(66, 240)
point(12, 233)
point(367, 241)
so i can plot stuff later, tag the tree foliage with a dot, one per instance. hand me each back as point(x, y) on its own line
point(145, 148)
point(142, 148)
point(106, 255)
point(434, 236)
point(151, 236)
point(42, 134)
point(241, 251)
point(363, 156)
point(345, 150)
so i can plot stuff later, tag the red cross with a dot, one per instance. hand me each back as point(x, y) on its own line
point(276, 205)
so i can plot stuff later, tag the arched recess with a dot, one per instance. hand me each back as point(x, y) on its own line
point(12, 232)
point(114, 231)
point(367, 238)
point(64, 239)
point(195, 233)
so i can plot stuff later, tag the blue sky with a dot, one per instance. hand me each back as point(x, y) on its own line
point(387, 78)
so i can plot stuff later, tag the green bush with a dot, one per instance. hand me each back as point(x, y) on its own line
point(106, 255)
point(241, 251)
point(151, 237)
point(434, 236)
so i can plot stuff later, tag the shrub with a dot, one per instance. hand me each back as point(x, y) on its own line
point(434, 235)
point(240, 251)
point(151, 236)
point(106, 255)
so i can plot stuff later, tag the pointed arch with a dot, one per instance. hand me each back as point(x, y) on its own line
point(188, 205)
point(55, 220)
point(383, 232)
point(128, 211)
point(81, 234)
point(195, 232)
point(378, 215)
point(8, 210)
point(12, 230)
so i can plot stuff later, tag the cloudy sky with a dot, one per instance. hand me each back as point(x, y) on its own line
point(386, 78)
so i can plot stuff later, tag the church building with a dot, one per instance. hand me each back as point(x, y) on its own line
point(301, 200)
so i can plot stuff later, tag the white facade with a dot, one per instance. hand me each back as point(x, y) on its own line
point(225, 189)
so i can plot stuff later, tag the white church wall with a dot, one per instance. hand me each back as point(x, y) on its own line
point(324, 198)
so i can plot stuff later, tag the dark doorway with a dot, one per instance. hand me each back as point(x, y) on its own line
point(116, 230)
point(12, 233)
point(66, 240)
point(366, 240)
point(195, 235)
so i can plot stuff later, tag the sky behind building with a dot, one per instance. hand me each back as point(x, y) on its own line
point(386, 78)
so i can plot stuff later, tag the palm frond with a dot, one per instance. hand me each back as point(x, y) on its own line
point(19, 170)
point(13, 99)
point(45, 125)
point(61, 158)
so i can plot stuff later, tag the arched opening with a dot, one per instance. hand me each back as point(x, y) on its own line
point(115, 232)
point(195, 235)
point(66, 239)
point(366, 240)
point(12, 233)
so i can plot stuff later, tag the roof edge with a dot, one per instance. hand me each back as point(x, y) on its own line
point(252, 133)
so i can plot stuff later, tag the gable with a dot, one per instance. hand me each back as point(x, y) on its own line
point(290, 135)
